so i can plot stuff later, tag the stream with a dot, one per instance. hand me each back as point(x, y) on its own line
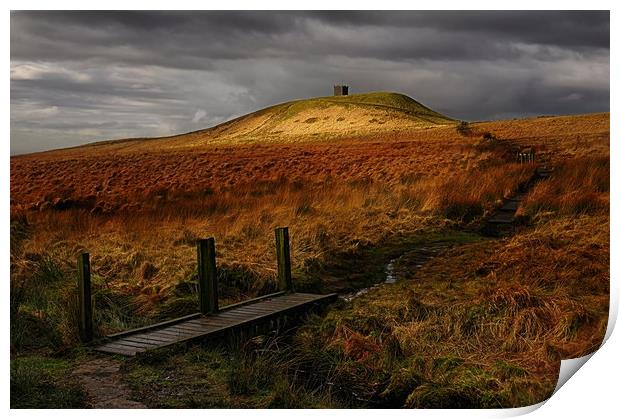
point(416, 257)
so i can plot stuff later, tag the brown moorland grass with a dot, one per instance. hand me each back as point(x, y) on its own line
point(145, 180)
point(107, 178)
point(139, 213)
point(131, 209)
point(132, 258)
point(461, 334)
point(504, 312)
point(578, 186)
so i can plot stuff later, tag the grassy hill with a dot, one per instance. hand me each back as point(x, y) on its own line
point(333, 116)
point(322, 118)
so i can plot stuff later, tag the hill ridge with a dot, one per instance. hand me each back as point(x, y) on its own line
point(401, 108)
point(319, 118)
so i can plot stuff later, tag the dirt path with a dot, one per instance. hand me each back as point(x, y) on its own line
point(102, 382)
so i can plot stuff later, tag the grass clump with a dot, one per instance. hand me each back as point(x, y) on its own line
point(463, 128)
point(43, 383)
point(579, 186)
point(259, 373)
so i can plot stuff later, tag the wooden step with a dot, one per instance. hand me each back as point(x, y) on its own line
point(510, 205)
point(502, 218)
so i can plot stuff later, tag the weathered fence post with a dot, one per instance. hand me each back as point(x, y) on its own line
point(85, 298)
point(207, 276)
point(283, 253)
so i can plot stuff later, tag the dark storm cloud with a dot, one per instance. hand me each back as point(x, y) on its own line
point(82, 76)
point(565, 28)
point(196, 39)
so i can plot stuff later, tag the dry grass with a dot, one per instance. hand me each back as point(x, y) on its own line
point(578, 186)
point(325, 220)
point(503, 316)
point(132, 209)
point(485, 325)
point(148, 181)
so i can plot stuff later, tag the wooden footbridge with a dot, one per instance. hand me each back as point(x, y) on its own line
point(212, 321)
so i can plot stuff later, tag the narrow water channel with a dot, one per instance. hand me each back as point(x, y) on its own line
point(416, 257)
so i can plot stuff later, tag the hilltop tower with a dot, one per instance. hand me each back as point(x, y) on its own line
point(341, 90)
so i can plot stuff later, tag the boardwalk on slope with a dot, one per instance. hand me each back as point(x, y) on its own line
point(504, 216)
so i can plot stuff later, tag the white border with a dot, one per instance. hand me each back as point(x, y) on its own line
point(592, 392)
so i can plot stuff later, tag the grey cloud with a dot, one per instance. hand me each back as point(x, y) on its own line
point(563, 28)
point(83, 76)
point(195, 39)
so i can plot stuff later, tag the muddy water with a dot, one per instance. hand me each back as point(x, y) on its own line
point(416, 258)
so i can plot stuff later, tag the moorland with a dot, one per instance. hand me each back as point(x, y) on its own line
point(360, 181)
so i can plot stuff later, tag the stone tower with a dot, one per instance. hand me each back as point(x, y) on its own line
point(341, 90)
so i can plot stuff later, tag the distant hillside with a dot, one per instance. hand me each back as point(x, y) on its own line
point(335, 115)
point(321, 118)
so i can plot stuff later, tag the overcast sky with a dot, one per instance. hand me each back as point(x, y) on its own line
point(77, 77)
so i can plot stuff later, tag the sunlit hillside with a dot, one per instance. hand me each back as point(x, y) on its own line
point(316, 119)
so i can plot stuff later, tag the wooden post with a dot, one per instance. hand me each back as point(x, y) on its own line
point(207, 276)
point(85, 298)
point(283, 253)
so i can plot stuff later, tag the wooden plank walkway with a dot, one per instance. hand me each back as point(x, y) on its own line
point(201, 326)
point(503, 219)
point(505, 214)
